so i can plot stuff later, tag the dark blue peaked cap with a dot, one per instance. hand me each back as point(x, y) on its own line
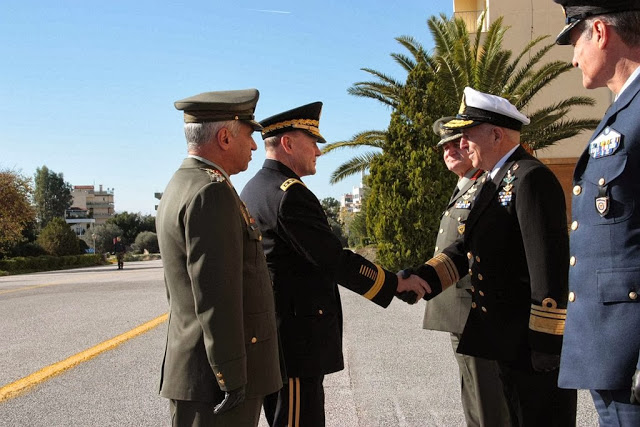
point(577, 10)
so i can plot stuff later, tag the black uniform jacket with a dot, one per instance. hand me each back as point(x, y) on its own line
point(515, 248)
point(306, 260)
point(222, 328)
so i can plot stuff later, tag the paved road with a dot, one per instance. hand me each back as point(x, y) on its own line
point(396, 374)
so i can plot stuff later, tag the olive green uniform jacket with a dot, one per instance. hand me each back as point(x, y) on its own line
point(222, 327)
point(450, 310)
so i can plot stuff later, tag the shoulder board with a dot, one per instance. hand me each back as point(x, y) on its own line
point(214, 174)
point(288, 183)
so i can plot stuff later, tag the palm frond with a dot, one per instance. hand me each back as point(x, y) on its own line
point(369, 138)
point(353, 166)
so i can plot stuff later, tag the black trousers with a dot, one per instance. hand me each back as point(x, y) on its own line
point(299, 403)
point(534, 398)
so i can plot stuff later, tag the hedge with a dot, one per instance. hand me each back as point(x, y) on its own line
point(46, 263)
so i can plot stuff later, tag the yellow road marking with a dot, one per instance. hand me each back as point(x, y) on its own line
point(24, 288)
point(12, 390)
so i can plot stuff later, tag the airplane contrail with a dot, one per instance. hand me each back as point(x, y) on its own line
point(271, 11)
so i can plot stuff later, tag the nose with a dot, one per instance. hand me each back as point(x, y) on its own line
point(254, 146)
point(464, 145)
point(318, 152)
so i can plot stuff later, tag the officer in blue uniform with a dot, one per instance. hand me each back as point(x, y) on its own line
point(306, 261)
point(515, 247)
point(601, 350)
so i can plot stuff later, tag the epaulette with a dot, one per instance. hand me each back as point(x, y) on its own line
point(288, 183)
point(214, 174)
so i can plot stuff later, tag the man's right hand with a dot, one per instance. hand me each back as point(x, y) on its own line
point(409, 283)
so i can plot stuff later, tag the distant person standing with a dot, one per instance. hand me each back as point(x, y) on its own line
point(482, 397)
point(119, 250)
point(221, 355)
point(601, 349)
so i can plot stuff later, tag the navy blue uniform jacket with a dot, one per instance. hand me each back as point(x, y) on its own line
point(306, 261)
point(602, 340)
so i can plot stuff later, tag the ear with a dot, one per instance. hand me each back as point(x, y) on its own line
point(601, 33)
point(497, 134)
point(222, 139)
point(286, 142)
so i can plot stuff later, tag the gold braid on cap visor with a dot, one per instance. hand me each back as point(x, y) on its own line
point(306, 124)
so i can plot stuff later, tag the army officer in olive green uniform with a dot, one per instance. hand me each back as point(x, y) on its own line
point(221, 355)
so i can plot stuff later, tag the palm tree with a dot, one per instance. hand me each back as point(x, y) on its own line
point(458, 61)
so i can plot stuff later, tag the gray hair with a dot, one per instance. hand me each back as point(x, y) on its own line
point(198, 134)
point(272, 141)
point(627, 25)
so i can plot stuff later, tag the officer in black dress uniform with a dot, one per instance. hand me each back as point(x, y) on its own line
point(307, 261)
point(515, 247)
point(482, 399)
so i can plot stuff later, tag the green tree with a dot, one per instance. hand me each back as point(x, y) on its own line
point(331, 207)
point(52, 195)
point(57, 238)
point(16, 212)
point(147, 240)
point(461, 59)
point(104, 237)
point(132, 224)
point(409, 181)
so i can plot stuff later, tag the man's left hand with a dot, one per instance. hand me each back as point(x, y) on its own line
point(231, 399)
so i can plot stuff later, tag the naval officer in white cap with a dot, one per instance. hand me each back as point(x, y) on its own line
point(515, 248)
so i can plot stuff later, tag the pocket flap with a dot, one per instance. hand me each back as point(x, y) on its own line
point(618, 284)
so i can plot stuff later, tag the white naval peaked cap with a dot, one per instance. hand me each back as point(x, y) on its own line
point(479, 107)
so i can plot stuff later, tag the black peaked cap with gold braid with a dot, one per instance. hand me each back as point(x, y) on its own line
point(221, 106)
point(305, 118)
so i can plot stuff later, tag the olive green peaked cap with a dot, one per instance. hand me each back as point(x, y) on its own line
point(446, 135)
point(305, 118)
point(221, 106)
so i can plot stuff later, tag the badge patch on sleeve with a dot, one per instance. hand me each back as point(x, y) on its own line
point(605, 144)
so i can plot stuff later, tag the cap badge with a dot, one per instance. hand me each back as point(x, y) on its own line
point(463, 105)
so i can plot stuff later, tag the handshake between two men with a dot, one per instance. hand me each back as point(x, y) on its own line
point(412, 288)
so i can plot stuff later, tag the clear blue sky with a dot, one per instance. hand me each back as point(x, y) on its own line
point(87, 87)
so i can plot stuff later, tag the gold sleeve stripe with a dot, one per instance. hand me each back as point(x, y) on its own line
point(288, 183)
point(445, 269)
point(368, 272)
point(377, 284)
point(548, 320)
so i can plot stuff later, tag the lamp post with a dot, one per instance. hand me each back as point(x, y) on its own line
point(94, 242)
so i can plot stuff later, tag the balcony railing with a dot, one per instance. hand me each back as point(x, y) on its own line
point(471, 18)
